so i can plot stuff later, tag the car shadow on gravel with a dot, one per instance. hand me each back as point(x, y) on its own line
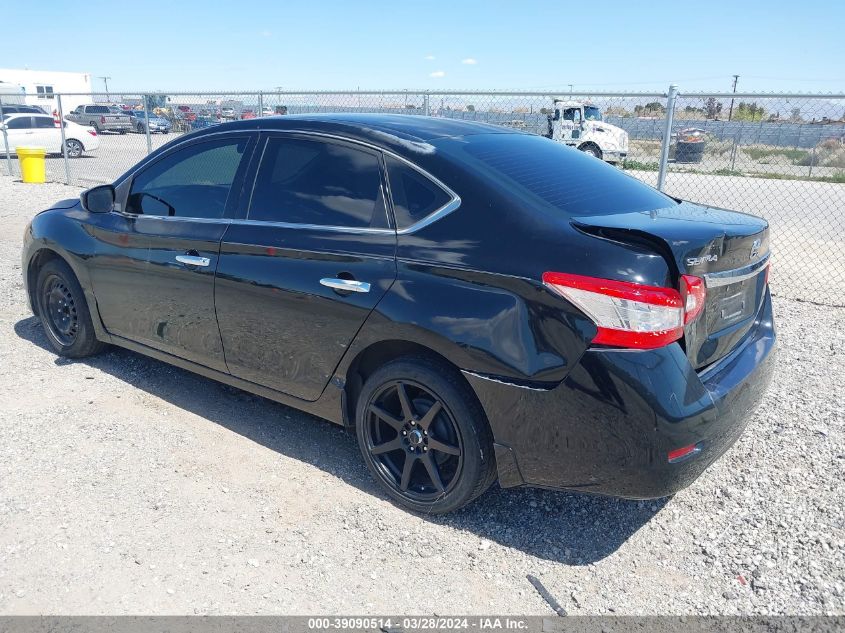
point(570, 528)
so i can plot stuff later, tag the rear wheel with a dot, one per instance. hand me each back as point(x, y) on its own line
point(424, 436)
point(74, 148)
point(94, 125)
point(64, 312)
point(140, 128)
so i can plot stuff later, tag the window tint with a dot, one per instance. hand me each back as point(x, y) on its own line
point(414, 195)
point(302, 181)
point(563, 178)
point(97, 109)
point(191, 182)
point(44, 121)
point(20, 123)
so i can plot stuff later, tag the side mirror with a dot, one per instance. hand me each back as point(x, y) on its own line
point(98, 199)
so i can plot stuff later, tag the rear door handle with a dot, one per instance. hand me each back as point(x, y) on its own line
point(193, 260)
point(350, 285)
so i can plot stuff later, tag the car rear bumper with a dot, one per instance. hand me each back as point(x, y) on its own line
point(610, 426)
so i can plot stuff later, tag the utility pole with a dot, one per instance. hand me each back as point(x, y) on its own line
point(106, 82)
point(731, 111)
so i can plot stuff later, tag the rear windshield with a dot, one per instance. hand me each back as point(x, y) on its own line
point(570, 181)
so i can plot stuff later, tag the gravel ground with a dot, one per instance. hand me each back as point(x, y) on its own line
point(129, 486)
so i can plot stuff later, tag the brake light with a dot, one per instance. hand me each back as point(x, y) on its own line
point(628, 314)
point(694, 294)
point(92, 132)
point(102, 119)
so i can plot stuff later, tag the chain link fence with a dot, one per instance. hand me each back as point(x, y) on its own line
point(779, 156)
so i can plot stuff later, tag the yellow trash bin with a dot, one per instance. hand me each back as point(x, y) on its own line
point(33, 165)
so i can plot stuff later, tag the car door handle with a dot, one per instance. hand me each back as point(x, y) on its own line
point(350, 285)
point(193, 260)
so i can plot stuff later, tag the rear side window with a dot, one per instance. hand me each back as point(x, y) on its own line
point(97, 110)
point(45, 121)
point(414, 196)
point(570, 181)
point(191, 182)
point(305, 181)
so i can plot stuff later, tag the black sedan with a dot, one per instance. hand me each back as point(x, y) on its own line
point(476, 302)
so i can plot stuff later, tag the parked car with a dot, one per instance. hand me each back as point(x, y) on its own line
point(267, 111)
point(22, 109)
point(477, 302)
point(40, 130)
point(228, 113)
point(247, 114)
point(157, 123)
point(100, 117)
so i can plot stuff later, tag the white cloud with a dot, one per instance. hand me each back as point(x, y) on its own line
point(469, 61)
point(437, 74)
point(429, 58)
point(265, 34)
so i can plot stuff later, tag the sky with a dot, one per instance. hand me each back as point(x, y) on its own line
point(773, 45)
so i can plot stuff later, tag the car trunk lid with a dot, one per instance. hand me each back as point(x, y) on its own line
point(728, 249)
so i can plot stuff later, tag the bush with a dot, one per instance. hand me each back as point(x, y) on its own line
point(829, 153)
point(639, 166)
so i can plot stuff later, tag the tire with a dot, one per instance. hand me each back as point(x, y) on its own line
point(64, 312)
point(74, 148)
point(140, 128)
point(450, 451)
point(591, 149)
point(122, 131)
point(94, 125)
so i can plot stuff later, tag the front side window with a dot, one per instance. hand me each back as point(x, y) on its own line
point(304, 181)
point(414, 196)
point(192, 182)
point(20, 123)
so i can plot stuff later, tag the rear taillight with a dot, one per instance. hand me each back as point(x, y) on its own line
point(694, 294)
point(92, 132)
point(629, 314)
point(102, 119)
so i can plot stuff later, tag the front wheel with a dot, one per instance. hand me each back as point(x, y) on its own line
point(423, 435)
point(74, 148)
point(140, 129)
point(591, 149)
point(64, 312)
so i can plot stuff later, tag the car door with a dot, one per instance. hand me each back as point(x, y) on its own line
point(300, 274)
point(153, 275)
point(46, 133)
point(19, 130)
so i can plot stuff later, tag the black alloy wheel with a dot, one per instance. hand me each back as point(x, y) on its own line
point(424, 436)
point(413, 440)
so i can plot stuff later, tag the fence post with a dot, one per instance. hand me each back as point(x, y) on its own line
point(64, 141)
point(260, 104)
point(147, 124)
point(6, 142)
point(426, 109)
point(812, 160)
point(667, 135)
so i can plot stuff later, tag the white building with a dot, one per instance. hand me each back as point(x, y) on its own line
point(40, 87)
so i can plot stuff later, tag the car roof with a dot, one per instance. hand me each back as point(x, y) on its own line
point(376, 128)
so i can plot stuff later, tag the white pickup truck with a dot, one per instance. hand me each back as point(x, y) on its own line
point(579, 124)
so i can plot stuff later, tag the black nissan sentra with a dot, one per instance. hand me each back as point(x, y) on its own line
point(477, 302)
